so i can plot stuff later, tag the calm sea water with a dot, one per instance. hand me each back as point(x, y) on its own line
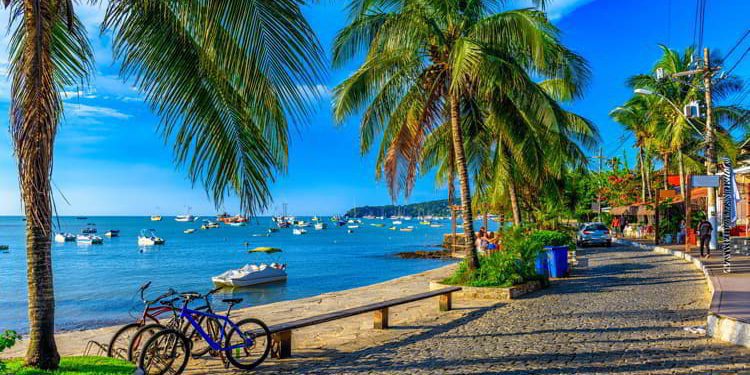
point(96, 285)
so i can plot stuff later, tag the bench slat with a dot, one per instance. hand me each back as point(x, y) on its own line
point(319, 319)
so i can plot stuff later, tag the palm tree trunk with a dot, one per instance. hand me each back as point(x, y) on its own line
point(641, 161)
point(665, 172)
point(515, 208)
point(35, 114)
point(463, 178)
point(451, 200)
point(681, 170)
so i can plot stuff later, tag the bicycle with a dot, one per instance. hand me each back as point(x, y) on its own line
point(120, 341)
point(209, 325)
point(245, 346)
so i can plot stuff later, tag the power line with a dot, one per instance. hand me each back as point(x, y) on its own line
point(737, 44)
point(738, 61)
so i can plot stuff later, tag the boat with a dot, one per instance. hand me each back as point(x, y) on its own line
point(298, 231)
point(251, 274)
point(65, 237)
point(204, 227)
point(81, 218)
point(378, 225)
point(155, 218)
point(89, 239)
point(436, 225)
point(396, 222)
point(302, 224)
point(236, 223)
point(320, 226)
point(262, 235)
point(112, 233)
point(4, 247)
point(211, 224)
point(273, 230)
point(424, 222)
point(188, 231)
point(341, 223)
point(226, 219)
point(185, 218)
point(392, 228)
point(149, 238)
point(315, 218)
point(406, 229)
point(355, 226)
point(350, 231)
point(90, 229)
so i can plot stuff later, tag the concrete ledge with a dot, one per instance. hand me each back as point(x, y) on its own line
point(719, 326)
point(491, 292)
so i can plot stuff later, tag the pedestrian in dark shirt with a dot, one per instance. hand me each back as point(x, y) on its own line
point(704, 233)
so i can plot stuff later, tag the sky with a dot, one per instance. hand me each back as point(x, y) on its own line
point(110, 159)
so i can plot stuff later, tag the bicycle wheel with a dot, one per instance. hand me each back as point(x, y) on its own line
point(256, 339)
point(120, 341)
point(199, 345)
point(140, 338)
point(166, 352)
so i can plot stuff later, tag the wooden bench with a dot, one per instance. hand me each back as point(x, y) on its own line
point(281, 334)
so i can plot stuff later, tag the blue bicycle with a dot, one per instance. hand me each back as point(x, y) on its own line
point(245, 346)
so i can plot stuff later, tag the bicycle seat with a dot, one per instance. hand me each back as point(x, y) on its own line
point(232, 300)
point(190, 295)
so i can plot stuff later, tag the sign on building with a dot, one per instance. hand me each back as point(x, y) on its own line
point(704, 181)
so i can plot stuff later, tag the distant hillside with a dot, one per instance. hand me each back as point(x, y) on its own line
point(434, 208)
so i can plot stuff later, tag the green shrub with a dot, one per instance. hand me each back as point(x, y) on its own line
point(554, 238)
point(7, 339)
point(511, 266)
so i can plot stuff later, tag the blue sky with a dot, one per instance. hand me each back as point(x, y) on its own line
point(109, 158)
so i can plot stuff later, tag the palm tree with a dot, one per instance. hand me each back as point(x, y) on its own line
point(427, 63)
point(636, 116)
point(223, 76)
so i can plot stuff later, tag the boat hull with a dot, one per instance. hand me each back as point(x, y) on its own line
point(238, 283)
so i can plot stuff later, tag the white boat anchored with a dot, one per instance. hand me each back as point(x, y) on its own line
point(188, 231)
point(298, 231)
point(320, 226)
point(149, 238)
point(112, 233)
point(89, 239)
point(253, 274)
point(65, 237)
point(185, 218)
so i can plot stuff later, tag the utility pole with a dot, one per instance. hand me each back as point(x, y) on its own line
point(710, 137)
point(600, 156)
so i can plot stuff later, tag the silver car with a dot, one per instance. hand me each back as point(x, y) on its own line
point(593, 234)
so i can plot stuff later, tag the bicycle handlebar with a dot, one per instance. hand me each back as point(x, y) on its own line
point(143, 289)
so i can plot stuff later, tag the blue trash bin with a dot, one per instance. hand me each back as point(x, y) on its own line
point(540, 265)
point(557, 260)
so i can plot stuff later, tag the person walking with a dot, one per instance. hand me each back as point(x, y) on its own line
point(704, 231)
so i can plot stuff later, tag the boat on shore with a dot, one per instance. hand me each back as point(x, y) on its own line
point(65, 237)
point(89, 239)
point(149, 238)
point(253, 274)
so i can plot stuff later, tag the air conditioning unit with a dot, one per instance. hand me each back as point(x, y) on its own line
point(692, 109)
point(660, 75)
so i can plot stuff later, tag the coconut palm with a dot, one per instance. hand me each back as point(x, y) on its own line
point(223, 76)
point(636, 116)
point(427, 62)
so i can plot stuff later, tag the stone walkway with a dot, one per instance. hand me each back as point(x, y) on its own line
point(623, 313)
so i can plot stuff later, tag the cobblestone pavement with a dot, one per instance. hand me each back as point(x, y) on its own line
point(623, 313)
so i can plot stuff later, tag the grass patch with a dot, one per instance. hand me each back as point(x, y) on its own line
point(76, 366)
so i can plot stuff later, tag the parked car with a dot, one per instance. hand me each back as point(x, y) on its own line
point(593, 234)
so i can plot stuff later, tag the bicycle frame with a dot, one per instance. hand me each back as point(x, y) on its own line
point(188, 314)
point(152, 313)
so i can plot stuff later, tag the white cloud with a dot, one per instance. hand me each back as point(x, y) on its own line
point(83, 110)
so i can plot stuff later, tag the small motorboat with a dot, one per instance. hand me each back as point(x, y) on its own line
point(149, 238)
point(90, 229)
point(397, 222)
point(236, 223)
point(436, 225)
point(253, 274)
point(4, 247)
point(89, 239)
point(188, 231)
point(355, 226)
point(261, 234)
point(65, 237)
point(298, 231)
point(378, 225)
point(349, 231)
point(302, 224)
point(273, 230)
point(210, 224)
point(320, 226)
point(112, 233)
point(406, 229)
point(185, 218)
point(156, 218)
point(392, 228)
point(424, 222)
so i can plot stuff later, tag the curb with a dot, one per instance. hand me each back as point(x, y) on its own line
point(719, 326)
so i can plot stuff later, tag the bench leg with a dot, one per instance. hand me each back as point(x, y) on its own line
point(281, 344)
point(446, 302)
point(380, 320)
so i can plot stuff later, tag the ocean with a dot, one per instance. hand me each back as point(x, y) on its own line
point(96, 285)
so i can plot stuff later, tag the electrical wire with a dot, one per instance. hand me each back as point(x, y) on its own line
point(744, 54)
point(737, 44)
